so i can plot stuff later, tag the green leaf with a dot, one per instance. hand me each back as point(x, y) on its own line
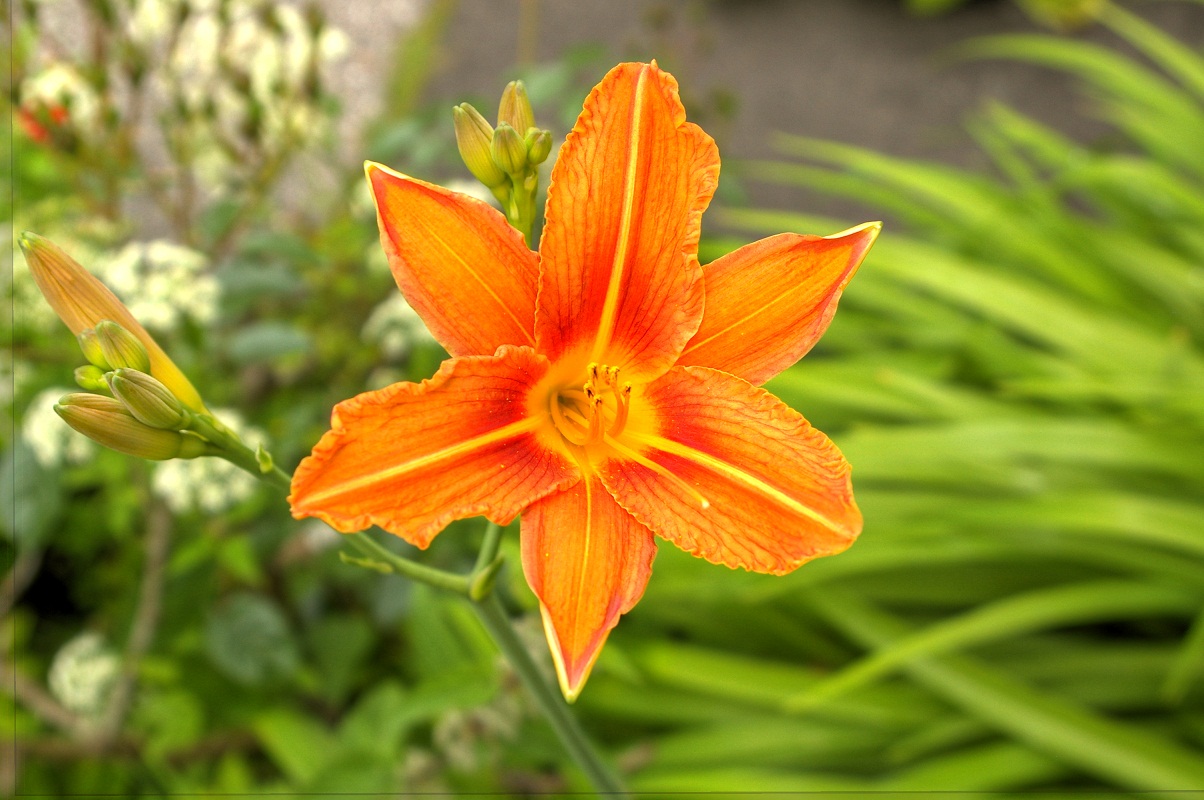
point(298, 745)
point(248, 639)
point(30, 499)
point(267, 341)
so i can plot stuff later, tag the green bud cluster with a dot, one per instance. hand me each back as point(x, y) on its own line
point(129, 410)
point(505, 158)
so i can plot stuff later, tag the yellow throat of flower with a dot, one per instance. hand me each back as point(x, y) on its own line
point(583, 416)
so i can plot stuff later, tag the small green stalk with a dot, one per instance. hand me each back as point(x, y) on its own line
point(477, 587)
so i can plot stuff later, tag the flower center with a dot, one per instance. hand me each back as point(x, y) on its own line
point(599, 408)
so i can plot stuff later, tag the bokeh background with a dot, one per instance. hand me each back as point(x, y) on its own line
point(1016, 375)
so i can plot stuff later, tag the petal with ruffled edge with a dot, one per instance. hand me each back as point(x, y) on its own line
point(768, 302)
point(458, 262)
point(730, 473)
point(413, 457)
point(588, 562)
point(619, 277)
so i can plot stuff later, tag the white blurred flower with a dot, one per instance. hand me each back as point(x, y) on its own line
point(53, 442)
point(395, 327)
point(83, 673)
point(149, 21)
point(208, 484)
point(162, 282)
point(61, 84)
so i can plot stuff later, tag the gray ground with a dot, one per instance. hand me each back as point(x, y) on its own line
point(858, 71)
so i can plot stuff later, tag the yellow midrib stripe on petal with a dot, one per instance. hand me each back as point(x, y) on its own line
point(610, 307)
point(724, 468)
point(526, 332)
point(526, 425)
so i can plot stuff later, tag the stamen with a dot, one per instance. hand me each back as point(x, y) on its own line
point(595, 422)
point(623, 399)
point(563, 426)
point(644, 461)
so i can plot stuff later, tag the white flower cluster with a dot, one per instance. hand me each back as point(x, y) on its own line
point(395, 327)
point(208, 484)
point(53, 442)
point(161, 283)
point(248, 69)
point(83, 673)
point(61, 90)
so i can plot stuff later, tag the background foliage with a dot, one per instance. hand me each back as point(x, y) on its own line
point(1016, 375)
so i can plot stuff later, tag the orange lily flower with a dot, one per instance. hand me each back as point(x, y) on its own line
point(594, 386)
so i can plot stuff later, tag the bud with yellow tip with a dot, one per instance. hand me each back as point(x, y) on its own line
point(121, 348)
point(473, 137)
point(515, 108)
point(106, 421)
point(148, 400)
point(81, 301)
point(509, 151)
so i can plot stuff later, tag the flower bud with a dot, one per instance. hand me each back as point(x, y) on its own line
point(121, 348)
point(515, 108)
point(108, 422)
point(508, 150)
point(90, 345)
point(473, 135)
point(81, 301)
point(91, 378)
point(539, 145)
point(148, 400)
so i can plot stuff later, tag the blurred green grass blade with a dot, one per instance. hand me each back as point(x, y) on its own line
point(993, 767)
point(1188, 666)
point(740, 781)
point(1169, 53)
point(1045, 146)
point(771, 741)
point(760, 683)
point(1112, 751)
point(1073, 604)
point(1109, 72)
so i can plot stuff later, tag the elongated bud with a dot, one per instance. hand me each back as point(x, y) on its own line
point(91, 378)
point(90, 345)
point(508, 150)
point(473, 136)
point(106, 421)
point(515, 107)
point(81, 301)
point(539, 145)
point(121, 348)
point(150, 402)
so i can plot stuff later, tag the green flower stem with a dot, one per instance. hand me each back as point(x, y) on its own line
point(411, 569)
point(489, 546)
point(555, 709)
point(477, 586)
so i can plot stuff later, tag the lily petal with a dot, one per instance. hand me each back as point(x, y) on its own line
point(413, 457)
point(458, 262)
point(588, 562)
point(768, 303)
point(619, 279)
point(776, 491)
